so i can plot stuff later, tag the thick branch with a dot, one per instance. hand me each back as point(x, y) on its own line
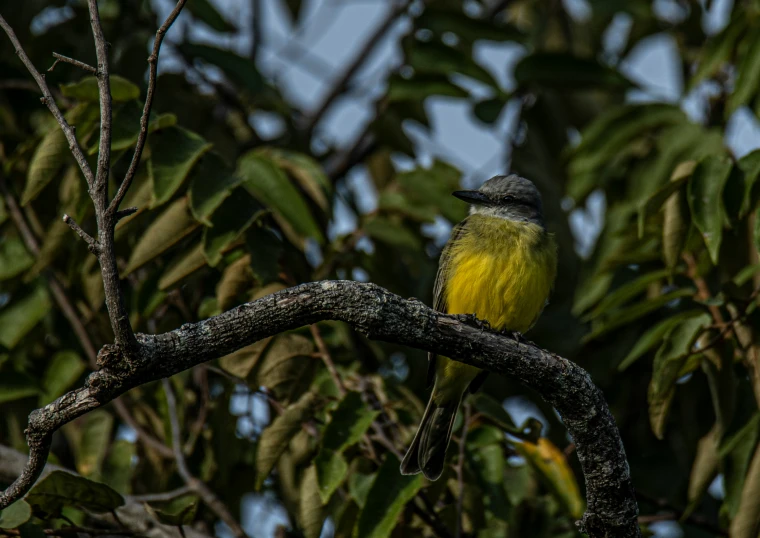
point(47, 99)
point(381, 315)
point(145, 118)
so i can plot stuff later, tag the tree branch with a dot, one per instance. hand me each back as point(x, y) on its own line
point(145, 118)
point(104, 90)
point(72, 61)
point(381, 315)
point(203, 491)
point(47, 99)
point(342, 83)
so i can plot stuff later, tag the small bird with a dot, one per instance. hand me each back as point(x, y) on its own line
point(499, 264)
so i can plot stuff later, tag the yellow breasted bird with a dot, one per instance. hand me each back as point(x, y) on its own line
point(499, 264)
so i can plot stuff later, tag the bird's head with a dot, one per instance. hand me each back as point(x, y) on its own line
point(508, 197)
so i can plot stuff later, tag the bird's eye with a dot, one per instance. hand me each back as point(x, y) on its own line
point(508, 198)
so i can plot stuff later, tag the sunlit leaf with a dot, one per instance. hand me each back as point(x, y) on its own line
point(237, 278)
point(626, 292)
point(551, 466)
point(49, 157)
point(306, 171)
point(331, 471)
point(178, 511)
point(311, 512)
point(182, 267)
point(654, 336)
point(241, 362)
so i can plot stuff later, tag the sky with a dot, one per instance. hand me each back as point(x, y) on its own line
point(305, 60)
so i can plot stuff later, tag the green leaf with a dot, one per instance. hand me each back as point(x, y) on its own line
point(492, 409)
point(436, 58)
point(717, 52)
point(359, 485)
point(310, 509)
point(432, 188)
point(242, 362)
point(287, 363)
point(488, 464)
point(266, 249)
point(396, 202)
point(676, 223)
point(168, 229)
point(386, 499)
point(64, 370)
point(750, 165)
point(233, 217)
point(21, 316)
point(56, 238)
point(306, 171)
point(238, 69)
point(119, 466)
point(182, 266)
point(275, 437)
point(654, 336)
point(15, 386)
point(419, 87)
point(440, 19)
point(704, 469)
point(87, 89)
point(49, 157)
point(205, 11)
point(211, 182)
point(126, 126)
point(668, 362)
point(562, 70)
point(15, 515)
point(626, 292)
point(269, 184)
point(747, 75)
point(174, 152)
point(636, 311)
point(14, 258)
point(746, 523)
point(177, 511)
point(552, 468)
point(392, 232)
point(93, 444)
point(489, 110)
point(331, 471)
point(705, 195)
point(60, 489)
point(736, 452)
point(653, 203)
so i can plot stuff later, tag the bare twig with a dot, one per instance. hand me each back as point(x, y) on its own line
point(208, 496)
point(145, 118)
point(123, 213)
point(327, 359)
point(106, 110)
point(256, 27)
point(72, 61)
point(47, 99)
point(361, 57)
point(161, 497)
point(92, 244)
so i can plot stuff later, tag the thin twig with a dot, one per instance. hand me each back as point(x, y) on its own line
point(145, 118)
point(327, 359)
point(47, 99)
point(106, 109)
point(72, 61)
point(342, 83)
point(208, 496)
point(256, 27)
point(92, 244)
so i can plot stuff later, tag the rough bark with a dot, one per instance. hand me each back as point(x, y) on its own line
point(611, 505)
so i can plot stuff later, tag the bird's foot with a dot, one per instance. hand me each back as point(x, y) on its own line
point(515, 335)
point(473, 320)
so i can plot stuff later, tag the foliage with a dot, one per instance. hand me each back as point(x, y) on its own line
point(662, 312)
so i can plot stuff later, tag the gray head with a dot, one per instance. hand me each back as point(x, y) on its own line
point(508, 197)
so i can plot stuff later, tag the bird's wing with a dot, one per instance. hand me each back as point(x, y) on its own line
point(439, 288)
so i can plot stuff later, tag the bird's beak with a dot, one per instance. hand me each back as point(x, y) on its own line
point(472, 197)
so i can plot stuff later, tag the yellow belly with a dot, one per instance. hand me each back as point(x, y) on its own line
point(502, 271)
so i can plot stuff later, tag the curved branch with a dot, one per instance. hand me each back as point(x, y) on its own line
point(381, 315)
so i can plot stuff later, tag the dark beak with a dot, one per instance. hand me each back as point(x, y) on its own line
point(472, 197)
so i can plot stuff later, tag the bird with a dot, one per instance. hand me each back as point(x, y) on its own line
point(499, 264)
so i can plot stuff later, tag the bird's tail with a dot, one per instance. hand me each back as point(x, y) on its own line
point(427, 453)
